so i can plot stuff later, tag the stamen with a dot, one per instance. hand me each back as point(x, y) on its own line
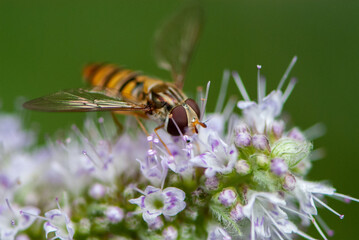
point(57, 203)
point(9, 206)
point(341, 216)
point(272, 220)
point(199, 94)
point(102, 127)
point(317, 154)
point(259, 87)
point(286, 73)
point(222, 91)
point(139, 190)
point(289, 89)
point(240, 86)
point(33, 215)
point(318, 229)
point(315, 131)
point(329, 231)
point(90, 158)
point(204, 101)
point(295, 211)
point(277, 233)
point(302, 234)
point(264, 85)
point(228, 109)
point(346, 197)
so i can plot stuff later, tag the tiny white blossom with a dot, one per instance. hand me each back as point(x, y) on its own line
point(219, 157)
point(156, 201)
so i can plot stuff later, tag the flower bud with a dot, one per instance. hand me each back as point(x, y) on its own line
point(170, 233)
point(97, 191)
point(260, 142)
point(278, 166)
point(242, 139)
point(212, 183)
point(227, 197)
point(296, 134)
point(237, 212)
point(242, 167)
point(262, 161)
point(289, 182)
point(114, 214)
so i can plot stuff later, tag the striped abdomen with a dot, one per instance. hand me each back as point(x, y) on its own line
point(129, 84)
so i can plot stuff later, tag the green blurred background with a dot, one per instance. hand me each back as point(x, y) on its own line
point(44, 44)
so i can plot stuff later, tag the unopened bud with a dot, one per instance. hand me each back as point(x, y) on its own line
point(289, 182)
point(227, 197)
point(242, 139)
point(278, 166)
point(242, 167)
point(170, 233)
point(296, 134)
point(260, 142)
point(262, 161)
point(212, 183)
point(114, 214)
point(97, 191)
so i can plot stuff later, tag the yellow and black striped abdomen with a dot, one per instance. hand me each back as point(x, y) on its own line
point(108, 76)
point(129, 84)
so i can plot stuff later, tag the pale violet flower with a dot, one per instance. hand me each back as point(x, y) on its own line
point(12, 221)
point(267, 218)
point(155, 202)
point(219, 157)
point(261, 115)
point(114, 214)
point(13, 137)
point(154, 167)
point(170, 233)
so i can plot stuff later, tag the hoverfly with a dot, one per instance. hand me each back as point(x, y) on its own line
point(124, 91)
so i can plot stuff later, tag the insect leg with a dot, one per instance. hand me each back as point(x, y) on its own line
point(156, 129)
point(143, 129)
point(117, 123)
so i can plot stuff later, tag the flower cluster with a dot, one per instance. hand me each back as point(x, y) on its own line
point(241, 177)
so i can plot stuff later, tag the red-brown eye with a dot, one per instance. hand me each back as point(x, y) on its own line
point(190, 102)
point(179, 116)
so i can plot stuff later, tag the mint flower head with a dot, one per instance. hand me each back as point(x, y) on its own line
point(242, 177)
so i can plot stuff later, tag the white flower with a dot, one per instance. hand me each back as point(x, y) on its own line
point(268, 218)
point(154, 167)
point(156, 201)
point(12, 221)
point(58, 223)
point(12, 135)
point(219, 157)
point(114, 214)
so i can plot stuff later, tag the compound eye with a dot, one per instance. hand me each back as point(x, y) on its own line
point(179, 116)
point(190, 102)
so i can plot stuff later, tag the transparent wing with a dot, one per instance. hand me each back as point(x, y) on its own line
point(81, 100)
point(176, 40)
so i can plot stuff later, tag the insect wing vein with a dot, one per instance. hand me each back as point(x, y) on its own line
point(81, 100)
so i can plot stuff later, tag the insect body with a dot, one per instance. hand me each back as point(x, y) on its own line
point(163, 101)
point(127, 92)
